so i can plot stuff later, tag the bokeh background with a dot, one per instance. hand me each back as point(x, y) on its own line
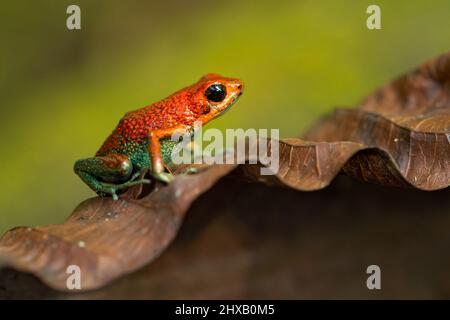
point(62, 91)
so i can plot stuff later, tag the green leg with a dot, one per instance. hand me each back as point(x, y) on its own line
point(108, 174)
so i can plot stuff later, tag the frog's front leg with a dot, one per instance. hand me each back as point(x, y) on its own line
point(154, 150)
point(108, 174)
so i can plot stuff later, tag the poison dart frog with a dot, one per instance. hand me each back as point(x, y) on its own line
point(141, 141)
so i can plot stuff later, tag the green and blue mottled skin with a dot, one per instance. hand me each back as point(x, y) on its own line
point(141, 141)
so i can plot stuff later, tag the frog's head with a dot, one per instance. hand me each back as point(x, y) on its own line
point(214, 94)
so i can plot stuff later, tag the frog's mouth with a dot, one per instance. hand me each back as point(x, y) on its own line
point(235, 98)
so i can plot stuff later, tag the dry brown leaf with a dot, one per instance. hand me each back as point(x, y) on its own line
point(406, 126)
point(106, 238)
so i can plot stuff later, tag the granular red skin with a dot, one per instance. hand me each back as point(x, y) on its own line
point(135, 125)
point(180, 109)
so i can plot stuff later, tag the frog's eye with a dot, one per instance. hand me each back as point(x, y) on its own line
point(216, 92)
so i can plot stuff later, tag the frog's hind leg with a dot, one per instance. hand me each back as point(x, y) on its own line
point(108, 174)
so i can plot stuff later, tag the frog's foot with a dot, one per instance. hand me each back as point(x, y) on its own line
point(191, 170)
point(110, 188)
point(165, 177)
point(135, 176)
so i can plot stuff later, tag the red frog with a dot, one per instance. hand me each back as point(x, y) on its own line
point(141, 140)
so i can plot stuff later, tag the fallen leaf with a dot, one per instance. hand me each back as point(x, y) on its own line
point(106, 238)
point(405, 126)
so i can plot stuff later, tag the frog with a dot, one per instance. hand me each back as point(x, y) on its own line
point(142, 140)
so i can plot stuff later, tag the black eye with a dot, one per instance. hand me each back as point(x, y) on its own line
point(216, 92)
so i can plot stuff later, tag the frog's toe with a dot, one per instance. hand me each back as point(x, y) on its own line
point(108, 191)
point(114, 195)
point(133, 183)
point(135, 176)
point(191, 170)
point(163, 177)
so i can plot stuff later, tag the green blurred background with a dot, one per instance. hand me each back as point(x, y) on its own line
point(62, 92)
